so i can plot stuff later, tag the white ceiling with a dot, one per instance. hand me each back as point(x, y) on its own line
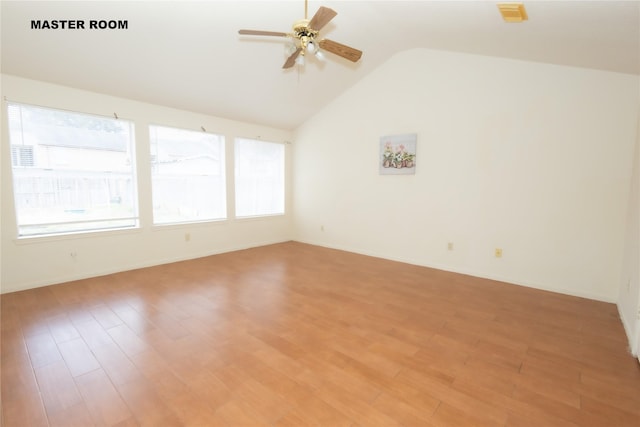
point(188, 55)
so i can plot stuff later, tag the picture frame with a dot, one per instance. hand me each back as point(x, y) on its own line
point(398, 154)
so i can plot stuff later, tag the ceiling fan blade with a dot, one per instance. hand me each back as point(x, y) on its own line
point(339, 49)
point(262, 33)
point(292, 59)
point(322, 18)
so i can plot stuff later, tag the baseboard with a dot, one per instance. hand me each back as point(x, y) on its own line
point(478, 274)
point(631, 336)
point(133, 266)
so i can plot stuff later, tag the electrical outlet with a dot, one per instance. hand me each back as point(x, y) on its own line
point(628, 285)
point(450, 246)
point(498, 253)
point(322, 228)
point(187, 237)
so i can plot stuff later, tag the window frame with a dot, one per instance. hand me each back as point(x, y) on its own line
point(66, 227)
point(223, 173)
point(284, 178)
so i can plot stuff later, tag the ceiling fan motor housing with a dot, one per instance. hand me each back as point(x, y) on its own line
point(303, 33)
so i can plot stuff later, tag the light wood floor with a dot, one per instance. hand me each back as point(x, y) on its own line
point(296, 335)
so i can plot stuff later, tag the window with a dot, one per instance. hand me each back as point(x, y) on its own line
point(22, 155)
point(259, 177)
point(188, 176)
point(71, 171)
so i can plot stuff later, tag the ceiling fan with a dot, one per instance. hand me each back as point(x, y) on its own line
point(305, 38)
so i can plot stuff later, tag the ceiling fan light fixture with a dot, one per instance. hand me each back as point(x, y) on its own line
point(300, 59)
point(289, 48)
point(320, 55)
point(311, 46)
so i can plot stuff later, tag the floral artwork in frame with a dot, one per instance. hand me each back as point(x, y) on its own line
point(398, 154)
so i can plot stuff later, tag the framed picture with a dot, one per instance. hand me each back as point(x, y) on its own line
point(398, 154)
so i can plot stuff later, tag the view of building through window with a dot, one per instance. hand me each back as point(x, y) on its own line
point(76, 172)
point(188, 175)
point(71, 171)
point(259, 175)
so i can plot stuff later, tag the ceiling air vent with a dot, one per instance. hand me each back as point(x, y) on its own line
point(513, 12)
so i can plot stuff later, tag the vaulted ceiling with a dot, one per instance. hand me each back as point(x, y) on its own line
point(189, 55)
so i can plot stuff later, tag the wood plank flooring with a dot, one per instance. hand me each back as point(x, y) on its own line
point(297, 335)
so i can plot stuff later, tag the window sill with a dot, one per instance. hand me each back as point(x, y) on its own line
point(26, 240)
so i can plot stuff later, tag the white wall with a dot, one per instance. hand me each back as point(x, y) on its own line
point(532, 158)
point(35, 262)
point(629, 293)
